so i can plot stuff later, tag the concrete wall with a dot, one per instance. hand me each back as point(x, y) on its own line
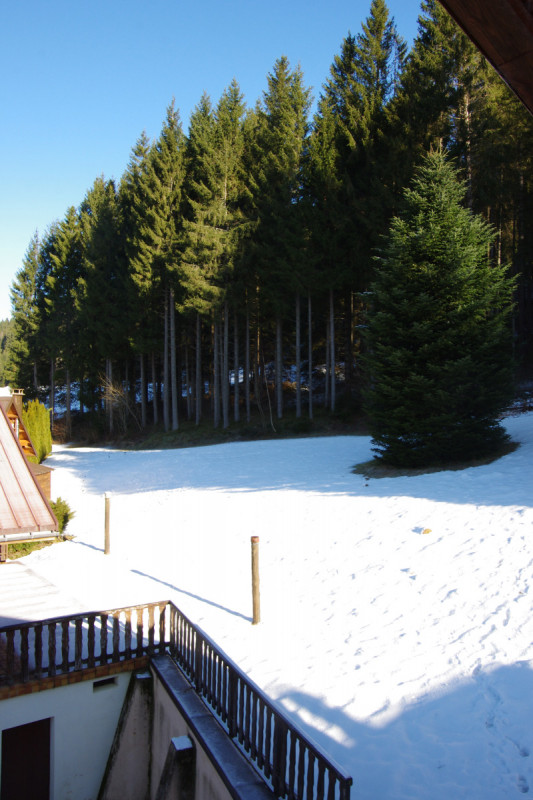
point(169, 723)
point(84, 719)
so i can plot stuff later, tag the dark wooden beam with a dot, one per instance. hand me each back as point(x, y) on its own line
point(503, 32)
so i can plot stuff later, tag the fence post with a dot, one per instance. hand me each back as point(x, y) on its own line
point(256, 603)
point(107, 539)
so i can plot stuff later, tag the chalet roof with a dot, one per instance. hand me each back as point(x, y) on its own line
point(23, 507)
point(503, 31)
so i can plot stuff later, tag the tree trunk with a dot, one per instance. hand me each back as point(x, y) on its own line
point(68, 402)
point(154, 391)
point(173, 376)
point(216, 374)
point(247, 367)
point(225, 370)
point(257, 372)
point(52, 393)
point(199, 387)
point(109, 394)
point(298, 360)
point(348, 356)
point(279, 368)
point(332, 345)
point(144, 409)
point(310, 352)
point(188, 385)
point(166, 382)
point(327, 382)
point(236, 369)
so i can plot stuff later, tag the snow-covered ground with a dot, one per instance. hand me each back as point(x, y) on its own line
point(397, 614)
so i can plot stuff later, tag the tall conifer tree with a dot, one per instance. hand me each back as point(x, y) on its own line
point(439, 330)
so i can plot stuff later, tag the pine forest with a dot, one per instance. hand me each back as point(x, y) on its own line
point(228, 272)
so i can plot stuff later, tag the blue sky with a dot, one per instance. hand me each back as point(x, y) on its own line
point(82, 80)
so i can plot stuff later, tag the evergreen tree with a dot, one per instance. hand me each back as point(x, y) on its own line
point(153, 245)
point(61, 290)
point(213, 216)
point(7, 339)
point(438, 331)
point(102, 301)
point(351, 173)
point(36, 419)
point(22, 367)
point(361, 86)
point(133, 208)
point(276, 185)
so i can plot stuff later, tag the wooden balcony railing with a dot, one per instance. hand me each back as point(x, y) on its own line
point(292, 765)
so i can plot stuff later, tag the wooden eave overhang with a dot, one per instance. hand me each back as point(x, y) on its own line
point(8, 404)
point(503, 32)
point(23, 506)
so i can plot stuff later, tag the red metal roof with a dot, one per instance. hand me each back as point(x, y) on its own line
point(23, 507)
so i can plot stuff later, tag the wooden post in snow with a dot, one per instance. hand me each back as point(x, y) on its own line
point(107, 540)
point(256, 616)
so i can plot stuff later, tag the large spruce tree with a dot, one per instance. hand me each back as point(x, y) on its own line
point(439, 356)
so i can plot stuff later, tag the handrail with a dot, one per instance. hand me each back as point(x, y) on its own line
point(292, 764)
point(51, 647)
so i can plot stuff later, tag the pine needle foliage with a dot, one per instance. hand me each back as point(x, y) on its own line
point(439, 356)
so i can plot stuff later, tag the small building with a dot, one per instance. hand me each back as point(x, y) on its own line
point(11, 402)
point(25, 511)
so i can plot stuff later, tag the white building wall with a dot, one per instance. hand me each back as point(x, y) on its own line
point(84, 719)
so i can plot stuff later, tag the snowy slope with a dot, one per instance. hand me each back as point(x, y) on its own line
point(406, 654)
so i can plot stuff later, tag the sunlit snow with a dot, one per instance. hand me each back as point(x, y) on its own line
point(397, 620)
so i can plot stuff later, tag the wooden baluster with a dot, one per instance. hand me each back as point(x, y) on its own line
point(173, 631)
point(78, 645)
point(127, 636)
point(310, 776)
point(140, 633)
point(208, 660)
point(103, 638)
point(198, 657)
point(247, 716)
point(331, 784)
point(51, 648)
point(65, 637)
point(261, 734)
point(253, 733)
point(301, 769)
point(233, 689)
point(90, 641)
point(38, 650)
point(151, 632)
point(240, 712)
point(279, 756)
point(268, 743)
point(24, 655)
point(345, 789)
point(320, 781)
point(292, 764)
point(162, 629)
point(10, 656)
point(116, 639)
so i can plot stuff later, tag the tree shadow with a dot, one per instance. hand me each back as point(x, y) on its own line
point(470, 741)
point(322, 465)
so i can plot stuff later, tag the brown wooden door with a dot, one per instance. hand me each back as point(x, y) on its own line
point(26, 762)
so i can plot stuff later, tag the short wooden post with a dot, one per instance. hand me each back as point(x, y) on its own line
point(107, 543)
point(256, 616)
